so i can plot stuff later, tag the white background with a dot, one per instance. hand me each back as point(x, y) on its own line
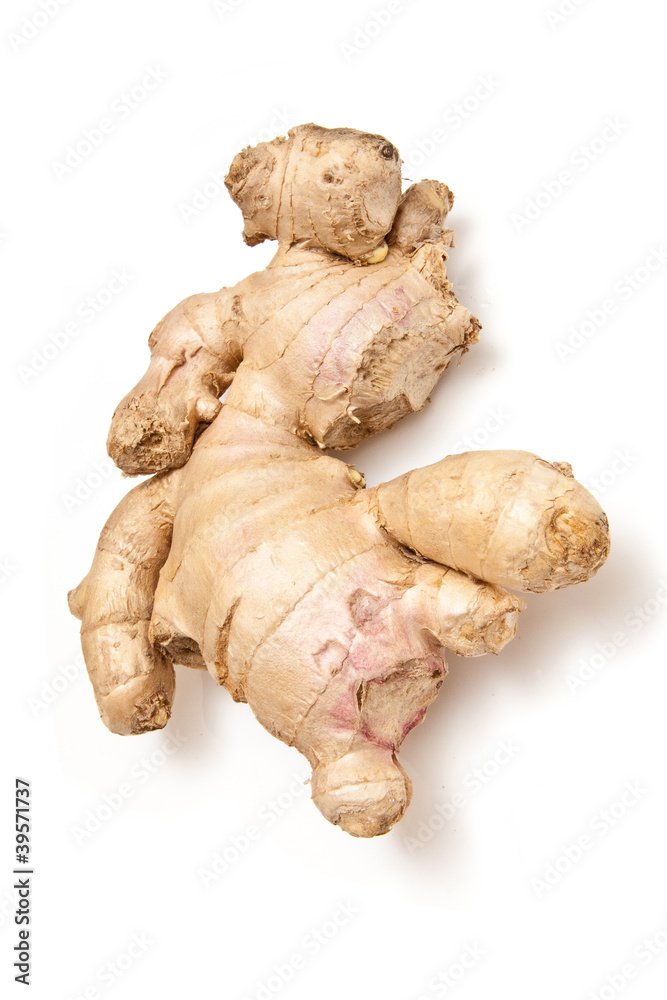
point(395, 913)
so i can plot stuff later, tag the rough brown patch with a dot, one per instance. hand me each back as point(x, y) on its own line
point(390, 707)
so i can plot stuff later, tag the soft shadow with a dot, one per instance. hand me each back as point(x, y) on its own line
point(198, 706)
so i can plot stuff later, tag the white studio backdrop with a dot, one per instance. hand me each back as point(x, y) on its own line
point(531, 861)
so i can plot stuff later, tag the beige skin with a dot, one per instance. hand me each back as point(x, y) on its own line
point(324, 605)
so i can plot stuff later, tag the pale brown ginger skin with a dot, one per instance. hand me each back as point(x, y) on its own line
point(253, 554)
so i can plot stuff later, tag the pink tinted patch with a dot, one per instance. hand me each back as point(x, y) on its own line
point(416, 719)
point(396, 302)
point(344, 711)
point(393, 303)
point(373, 738)
point(390, 638)
point(405, 322)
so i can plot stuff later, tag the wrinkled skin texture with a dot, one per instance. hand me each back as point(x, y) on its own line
point(252, 553)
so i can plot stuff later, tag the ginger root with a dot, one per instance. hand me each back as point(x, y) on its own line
point(252, 554)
